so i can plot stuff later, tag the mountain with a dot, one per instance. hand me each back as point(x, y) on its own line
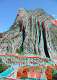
point(31, 34)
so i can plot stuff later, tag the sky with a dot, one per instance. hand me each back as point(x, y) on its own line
point(9, 8)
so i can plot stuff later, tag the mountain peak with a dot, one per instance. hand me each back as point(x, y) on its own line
point(21, 12)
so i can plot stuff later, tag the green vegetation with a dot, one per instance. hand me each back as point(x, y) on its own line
point(19, 51)
point(3, 67)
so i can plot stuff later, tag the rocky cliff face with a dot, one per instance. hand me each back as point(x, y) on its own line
point(29, 34)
